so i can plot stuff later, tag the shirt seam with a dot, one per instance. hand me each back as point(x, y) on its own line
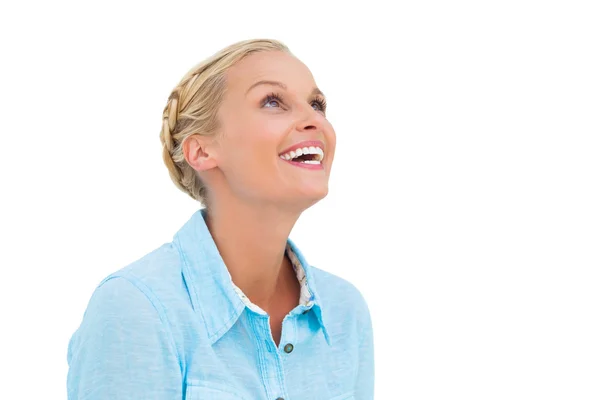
point(158, 307)
point(191, 287)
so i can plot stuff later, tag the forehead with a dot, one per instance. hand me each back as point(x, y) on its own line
point(270, 65)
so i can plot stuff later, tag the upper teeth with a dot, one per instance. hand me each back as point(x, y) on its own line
point(304, 150)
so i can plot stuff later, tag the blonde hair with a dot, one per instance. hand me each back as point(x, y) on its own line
point(192, 109)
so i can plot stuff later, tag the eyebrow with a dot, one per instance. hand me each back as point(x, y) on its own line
point(315, 91)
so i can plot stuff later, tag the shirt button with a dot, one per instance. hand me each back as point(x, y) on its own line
point(288, 348)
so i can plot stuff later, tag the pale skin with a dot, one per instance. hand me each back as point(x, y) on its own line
point(255, 197)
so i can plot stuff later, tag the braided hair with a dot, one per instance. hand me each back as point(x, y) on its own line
point(192, 110)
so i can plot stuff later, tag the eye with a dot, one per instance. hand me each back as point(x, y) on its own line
point(272, 100)
point(321, 104)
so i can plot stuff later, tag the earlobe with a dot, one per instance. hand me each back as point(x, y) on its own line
point(198, 153)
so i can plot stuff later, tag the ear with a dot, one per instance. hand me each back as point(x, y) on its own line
point(199, 151)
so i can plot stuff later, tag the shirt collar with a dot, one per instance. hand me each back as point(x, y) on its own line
point(207, 278)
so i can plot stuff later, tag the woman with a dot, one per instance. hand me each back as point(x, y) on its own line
point(231, 309)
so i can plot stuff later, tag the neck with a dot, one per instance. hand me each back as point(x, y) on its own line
point(252, 241)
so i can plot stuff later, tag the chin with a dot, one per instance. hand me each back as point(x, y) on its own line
point(299, 197)
point(311, 197)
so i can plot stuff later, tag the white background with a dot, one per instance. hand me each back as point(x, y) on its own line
point(464, 200)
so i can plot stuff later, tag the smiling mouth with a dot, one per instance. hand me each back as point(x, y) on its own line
point(305, 155)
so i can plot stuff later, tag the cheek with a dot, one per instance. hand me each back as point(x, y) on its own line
point(330, 135)
point(273, 129)
point(251, 145)
point(264, 133)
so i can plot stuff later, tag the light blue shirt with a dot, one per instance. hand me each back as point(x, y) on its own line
point(172, 325)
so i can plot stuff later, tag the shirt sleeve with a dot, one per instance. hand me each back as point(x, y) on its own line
point(122, 349)
point(365, 380)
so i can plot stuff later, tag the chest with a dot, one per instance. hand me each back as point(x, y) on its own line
point(247, 364)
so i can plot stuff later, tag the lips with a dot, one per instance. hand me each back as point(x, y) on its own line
point(307, 154)
point(310, 155)
point(305, 164)
point(306, 143)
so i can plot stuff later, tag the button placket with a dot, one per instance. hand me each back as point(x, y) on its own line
point(288, 348)
point(270, 362)
point(288, 333)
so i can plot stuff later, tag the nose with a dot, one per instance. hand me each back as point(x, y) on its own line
point(309, 119)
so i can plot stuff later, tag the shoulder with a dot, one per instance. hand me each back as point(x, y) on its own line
point(341, 297)
point(120, 302)
point(143, 286)
point(151, 285)
point(331, 285)
point(157, 275)
point(143, 298)
point(125, 328)
point(334, 282)
point(160, 266)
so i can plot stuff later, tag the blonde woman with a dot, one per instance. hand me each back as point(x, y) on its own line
point(231, 309)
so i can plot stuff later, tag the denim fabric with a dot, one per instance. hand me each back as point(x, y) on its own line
point(172, 325)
